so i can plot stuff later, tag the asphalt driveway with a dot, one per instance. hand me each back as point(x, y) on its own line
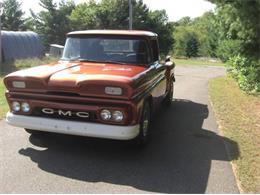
point(186, 153)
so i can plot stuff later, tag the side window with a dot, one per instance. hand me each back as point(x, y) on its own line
point(155, 52)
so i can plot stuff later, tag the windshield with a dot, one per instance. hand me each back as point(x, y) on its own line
point(110, 50)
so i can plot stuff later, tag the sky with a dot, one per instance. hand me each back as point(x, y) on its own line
point(176, 9)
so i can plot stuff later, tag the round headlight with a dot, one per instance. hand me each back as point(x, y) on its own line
point(16, 106)
point(105, 115)
point(118, 116)
point(25, 107)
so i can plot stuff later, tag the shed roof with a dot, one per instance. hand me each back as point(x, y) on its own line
point(18, 45)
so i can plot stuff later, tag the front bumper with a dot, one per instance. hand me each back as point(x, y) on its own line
point(73, 127)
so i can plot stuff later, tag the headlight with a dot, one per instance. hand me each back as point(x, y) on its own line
point(16, 106)
point(18, 84)
point(25, 107)
point(118, 116)
point(105, 115)
point(113, 90)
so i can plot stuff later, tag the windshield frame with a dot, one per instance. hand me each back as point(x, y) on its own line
point(104, 36)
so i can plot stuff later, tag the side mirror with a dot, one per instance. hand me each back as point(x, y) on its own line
point(168, 59)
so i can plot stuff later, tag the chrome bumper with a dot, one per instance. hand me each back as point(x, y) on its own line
point(73, 127)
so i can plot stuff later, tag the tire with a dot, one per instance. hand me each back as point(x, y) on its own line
point(169, 96)
point(145, 122)
point(34, 132)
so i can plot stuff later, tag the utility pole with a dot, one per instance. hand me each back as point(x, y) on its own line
point(130, 14)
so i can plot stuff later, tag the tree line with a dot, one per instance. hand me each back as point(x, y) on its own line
point(57, 19)
point(230, 33)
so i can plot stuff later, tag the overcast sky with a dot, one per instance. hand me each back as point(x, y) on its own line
point(175, 9)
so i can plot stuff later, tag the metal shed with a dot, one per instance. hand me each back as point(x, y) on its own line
point(19, 45)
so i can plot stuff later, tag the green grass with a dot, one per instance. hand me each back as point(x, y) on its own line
point(197, 62)
point(30, 62)
point(26, 63)
point(3, 104)
point(238, 115)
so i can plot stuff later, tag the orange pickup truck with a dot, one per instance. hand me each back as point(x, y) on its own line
point(107, 84)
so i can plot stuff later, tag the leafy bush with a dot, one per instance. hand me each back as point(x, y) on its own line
point(246, 72)
point(228, 48)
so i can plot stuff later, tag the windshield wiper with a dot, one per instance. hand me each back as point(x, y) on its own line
point(80, 59)
point(100, 61)
point(91, 60)
point(114, 62)
point(88, 60)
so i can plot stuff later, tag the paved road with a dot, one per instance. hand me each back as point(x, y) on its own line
point(186, 153)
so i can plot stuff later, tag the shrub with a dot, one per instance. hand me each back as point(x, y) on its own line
point(247, 73)
point(228, 48)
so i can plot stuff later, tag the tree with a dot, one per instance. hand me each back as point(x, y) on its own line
point(84, 16)
point(192, 47)
point(158, 22)
point(239, 20)
point(12, 16)
point(113, 14)
point(239, 40)
point(108, 14)
point(207, 34)
point(29, 24)
point(202, 28)
point(183, 34)
point(53, 23)
point(184, 21)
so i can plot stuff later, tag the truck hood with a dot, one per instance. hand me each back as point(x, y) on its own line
point(82, 78)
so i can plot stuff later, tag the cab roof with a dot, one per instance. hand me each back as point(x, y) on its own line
point(114, 32)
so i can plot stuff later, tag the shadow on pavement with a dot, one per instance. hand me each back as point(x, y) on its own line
point(177, 160)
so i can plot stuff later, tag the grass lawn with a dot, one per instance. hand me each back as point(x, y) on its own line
point(238, 115)
point(3, 104)
point(197, 62)
point(27, 63)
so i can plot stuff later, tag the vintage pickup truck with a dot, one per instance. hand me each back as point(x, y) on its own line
point(107, 85)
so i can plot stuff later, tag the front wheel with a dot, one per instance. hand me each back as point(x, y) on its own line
point(144, 132)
